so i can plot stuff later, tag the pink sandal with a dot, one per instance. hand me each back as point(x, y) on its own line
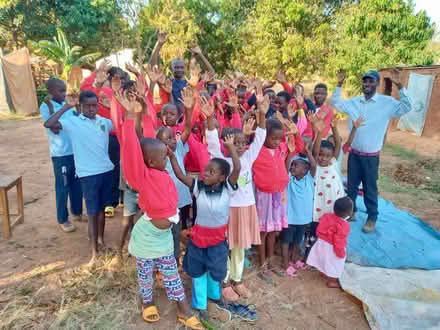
point(291, 271)
point(300, 265)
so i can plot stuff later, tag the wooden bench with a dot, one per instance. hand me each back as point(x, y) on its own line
point(6, 184)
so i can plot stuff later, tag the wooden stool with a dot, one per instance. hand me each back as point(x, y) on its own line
point(6, 183)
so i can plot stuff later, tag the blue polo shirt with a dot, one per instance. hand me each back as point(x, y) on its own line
point(89, 142)
point(182, 189)
point(300, 194)
point(59, 144)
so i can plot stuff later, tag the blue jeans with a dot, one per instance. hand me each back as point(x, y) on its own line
point(67, 185)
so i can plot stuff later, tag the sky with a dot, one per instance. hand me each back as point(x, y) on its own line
point(432, 8)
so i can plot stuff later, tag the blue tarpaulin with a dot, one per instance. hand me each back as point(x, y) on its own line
point(401, 240)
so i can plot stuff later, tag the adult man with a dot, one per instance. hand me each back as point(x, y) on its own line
point(363, 160)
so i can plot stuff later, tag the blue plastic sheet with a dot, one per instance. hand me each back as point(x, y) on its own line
point(401, 240)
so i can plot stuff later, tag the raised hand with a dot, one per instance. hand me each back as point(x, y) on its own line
point(195, 75)
point(291, 110)
point(291, 127)
point(196, 50)
point(395, 77)
point(341, 77)
point(48, 98)
point(116, 83)
point(104, 99)
point(101, 77)
point(248, 127)
point(167, 86)
point(322, 114)
point(206, 107)
point(359, 122)
point(229, 141)
point(123, 99)
point(163, 37)
point(208, 76)
point(233, 100)
point(154, 73)
point(264, 105)
point(73, 99)
point(187, 98)
point(299, 96)
point(281, 77)
point(131, 68)
point(318, 125)
point(104, 66)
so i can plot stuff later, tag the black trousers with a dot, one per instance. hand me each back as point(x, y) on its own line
point(114, 154)
point(364, 169)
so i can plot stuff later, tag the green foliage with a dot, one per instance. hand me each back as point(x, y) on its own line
point(376, 34)
point(284, 34)
point(61, 51)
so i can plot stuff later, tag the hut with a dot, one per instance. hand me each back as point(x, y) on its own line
point(423, 86)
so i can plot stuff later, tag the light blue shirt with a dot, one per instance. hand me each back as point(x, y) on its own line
point(182, 189)
point(59, 144)
point(89, 142)
point(377, 112)
point(300, 194)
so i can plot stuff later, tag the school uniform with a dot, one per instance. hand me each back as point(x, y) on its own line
point(90, 138)
point(67, 184)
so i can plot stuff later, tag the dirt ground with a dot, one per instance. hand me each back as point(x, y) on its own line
point(303, 302)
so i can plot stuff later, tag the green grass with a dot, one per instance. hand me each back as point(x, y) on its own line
point(401, 152)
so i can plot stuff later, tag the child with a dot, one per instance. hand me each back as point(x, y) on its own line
point(67, 184)
point(300, 192)
point(329, 252)
point(271, 179)
point(89, 134)
point(151, 240)
point(243, 230)
point(329, 185)
point(179, 148)
point(207, 251)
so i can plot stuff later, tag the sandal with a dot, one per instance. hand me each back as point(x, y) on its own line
point(242, 291)
point(241, 311)
point(109, 211)
point(229, 294)
point(151, 314)
point(300, 265)
point(192, 322)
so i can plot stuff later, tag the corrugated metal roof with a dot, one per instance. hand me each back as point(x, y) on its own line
point(413, 67)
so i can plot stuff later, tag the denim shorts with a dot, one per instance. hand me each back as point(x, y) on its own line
point(293, 234)
point(97, 191)
point(131, 206)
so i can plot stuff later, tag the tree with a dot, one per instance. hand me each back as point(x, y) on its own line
point(85, 22)
point(391, 34)
point(61, 51)
point(292, 35)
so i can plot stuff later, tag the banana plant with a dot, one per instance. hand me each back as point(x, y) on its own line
point(61, 51)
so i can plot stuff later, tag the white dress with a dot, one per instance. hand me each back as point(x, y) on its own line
point(328, 188)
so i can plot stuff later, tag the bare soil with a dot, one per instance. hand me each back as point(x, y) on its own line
point(303, 302)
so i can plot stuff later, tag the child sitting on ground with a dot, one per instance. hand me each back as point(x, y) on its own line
point(207, 251)
point(151, 241)
point(328, 254)
point(300, 192)
point(243, 230)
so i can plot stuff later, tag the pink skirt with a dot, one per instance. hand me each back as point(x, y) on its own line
point(243, 228)
point(323, 258)
point(271, 210)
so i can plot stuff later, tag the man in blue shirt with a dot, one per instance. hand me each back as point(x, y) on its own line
point(67, 184)
point(363, 160)
point(89, 134)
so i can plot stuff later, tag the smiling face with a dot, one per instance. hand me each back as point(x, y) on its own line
point(167, 136)
point(178, 68)
point(169, 114)
point(240, 143)
point(89, 107)
point(325, 156)
point(369, 86)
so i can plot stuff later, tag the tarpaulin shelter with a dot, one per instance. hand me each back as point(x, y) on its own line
point(423, 86)
point(17, 87)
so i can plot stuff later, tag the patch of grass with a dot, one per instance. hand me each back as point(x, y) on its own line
point(388, 184)
point(18, 116)
point(401, 152)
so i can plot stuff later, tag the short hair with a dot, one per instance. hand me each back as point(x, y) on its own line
point(150, 146)
point(128, 84)
point(114, 70)
point(162, 130)
point(52, 82)
point(321, 85)
point(230, 131)
point(86, 95)
point(305, 163)
point(268, 90)
point(224, 166)
point(328, 145)
point(273, 124)
point(342, 206)
point(174, 61)
point(169, 105)
point(285, 95)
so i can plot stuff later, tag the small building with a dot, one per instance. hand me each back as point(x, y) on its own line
point(426, 97)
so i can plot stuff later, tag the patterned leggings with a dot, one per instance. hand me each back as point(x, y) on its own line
point(167, 266)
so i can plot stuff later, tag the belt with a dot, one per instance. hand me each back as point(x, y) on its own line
point(368, 154)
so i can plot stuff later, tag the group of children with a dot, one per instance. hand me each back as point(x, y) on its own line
point(231, 162)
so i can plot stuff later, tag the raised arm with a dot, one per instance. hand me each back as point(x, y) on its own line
point(263, 105)
point(197, 51)
point(355, 125)
point(212, 140)
point(312, 161)
point(318, 127)
point(53, 121)
point(336, 99)
point(236, 166)
point(187, 100)
point(404, 105)
point(186, 179)
point(162, 39)
point(336, 137)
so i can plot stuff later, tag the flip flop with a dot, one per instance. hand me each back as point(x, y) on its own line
point(109, 211)
point(299, 265)
point(192, 322)
point(149, 312)
point(291, 271)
